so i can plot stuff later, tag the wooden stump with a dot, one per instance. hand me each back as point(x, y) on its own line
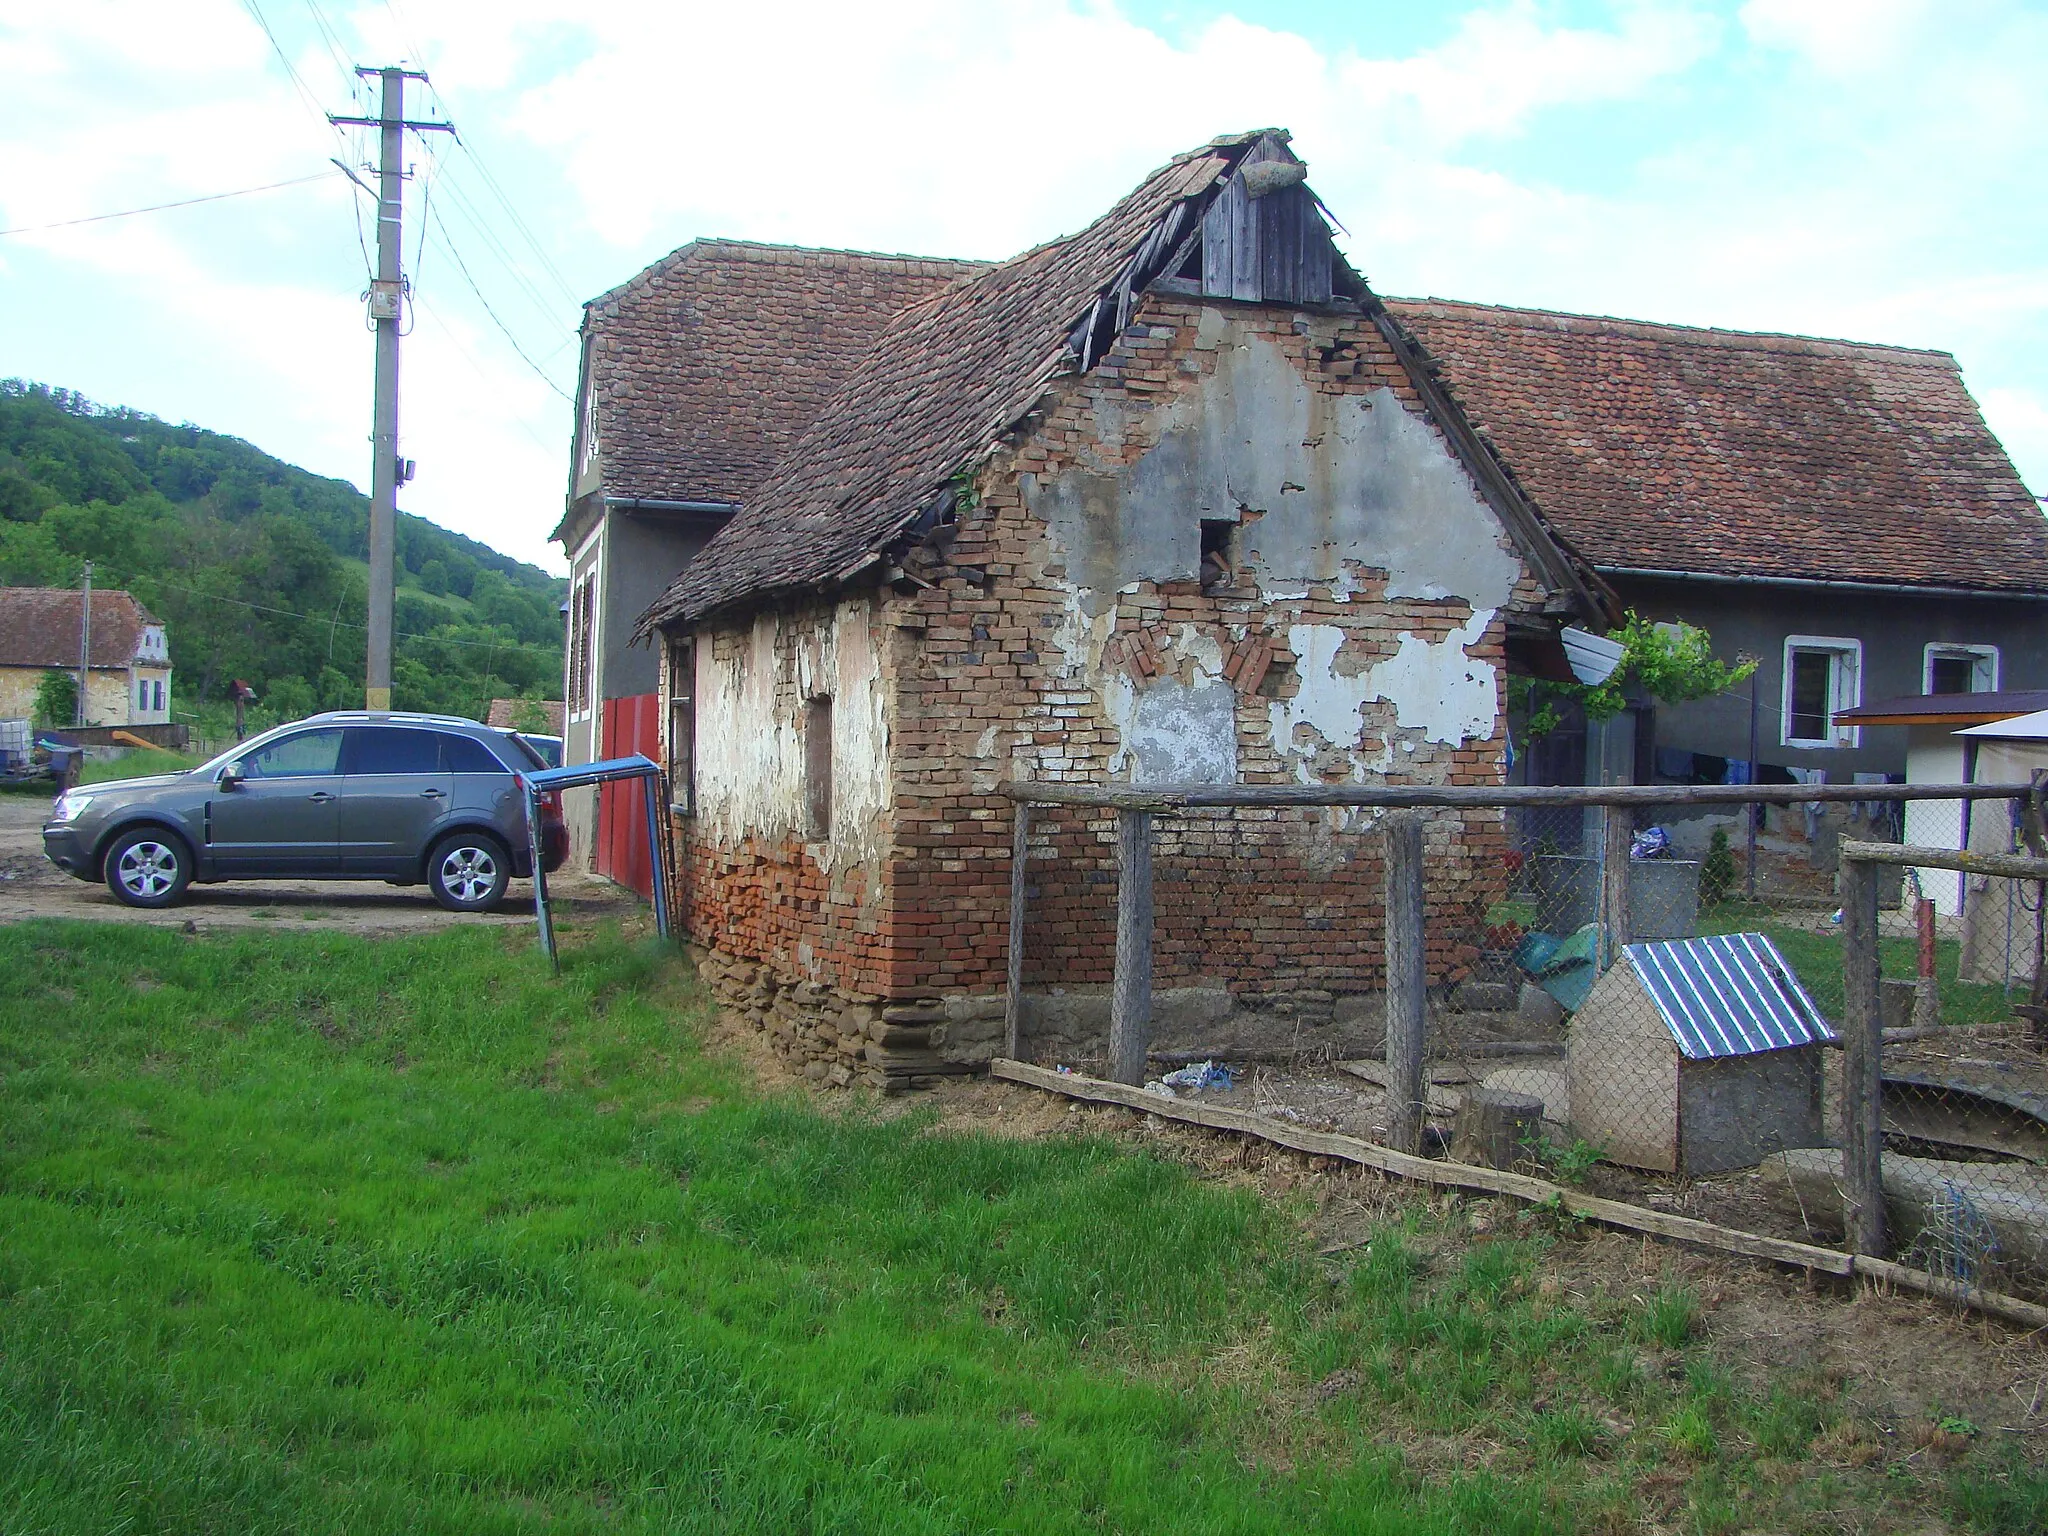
point(1496, 1128)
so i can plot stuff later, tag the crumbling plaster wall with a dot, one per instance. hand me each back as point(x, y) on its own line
point(1068, 637)
point(1348, 497)
point(757, 883)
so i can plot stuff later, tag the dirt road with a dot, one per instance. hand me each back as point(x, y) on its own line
point(31, 887)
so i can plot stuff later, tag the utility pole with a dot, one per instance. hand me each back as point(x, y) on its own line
point(84, 645)
point(387, 290)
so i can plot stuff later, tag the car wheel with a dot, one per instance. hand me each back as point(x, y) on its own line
point(148, 867)
point(469, 871)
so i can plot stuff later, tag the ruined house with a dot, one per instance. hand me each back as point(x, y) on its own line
point(1171, 499)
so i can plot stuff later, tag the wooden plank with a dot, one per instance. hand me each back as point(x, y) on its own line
point(2010, 866)
point(1611, 1213)
point(1130, 1004)
point(1167, 797)
point(1013, 986)
point(1995, 1303)
point(1407, 980)
point(1618, 830)
point(1863, 1216)
point(1425, 1170)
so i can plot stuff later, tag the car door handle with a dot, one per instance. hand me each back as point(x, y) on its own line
point(320, 797)
point(432, 794)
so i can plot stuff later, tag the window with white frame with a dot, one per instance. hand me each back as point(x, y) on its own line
point(1960, 669)
point(1823, 675)
point(582, 623)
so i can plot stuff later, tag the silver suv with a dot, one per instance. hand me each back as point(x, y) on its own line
point(345, 796)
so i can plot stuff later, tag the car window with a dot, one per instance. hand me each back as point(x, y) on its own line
point(535, 758)
point(465, 754)
point(295, 757)
point(381, 749)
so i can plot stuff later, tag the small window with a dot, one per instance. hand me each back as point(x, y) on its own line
point(142, 695)
point(308, 754)
point(682, 725)
point(1219, 553)
point(1960, 669)
point(818, 770)
point(1823, 676)
point(381, 749)
point(159, 687)
point(465, 754)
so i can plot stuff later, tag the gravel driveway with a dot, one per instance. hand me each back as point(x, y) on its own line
point(31, 887)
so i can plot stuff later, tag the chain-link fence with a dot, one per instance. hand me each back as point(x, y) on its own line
point(1772, 1014)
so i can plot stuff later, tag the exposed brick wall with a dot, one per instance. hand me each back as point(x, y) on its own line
point(992, 672)
point(1264, 901)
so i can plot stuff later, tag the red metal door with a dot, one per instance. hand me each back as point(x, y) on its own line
point(627, 726)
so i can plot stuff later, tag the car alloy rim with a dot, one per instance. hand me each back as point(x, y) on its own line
point(147, 869)
point(469, 873)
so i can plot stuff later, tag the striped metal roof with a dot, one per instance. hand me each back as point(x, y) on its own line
point(1728, 994)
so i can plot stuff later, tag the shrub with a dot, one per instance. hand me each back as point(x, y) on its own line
point(1717, 870)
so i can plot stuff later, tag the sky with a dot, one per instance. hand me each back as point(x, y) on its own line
point(1869, 169)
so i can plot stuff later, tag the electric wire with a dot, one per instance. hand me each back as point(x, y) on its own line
point(398, 634)
point(183, 202)
point(330, 38)
point(448, 244)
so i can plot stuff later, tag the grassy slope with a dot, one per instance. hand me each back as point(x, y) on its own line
point(309, 1233)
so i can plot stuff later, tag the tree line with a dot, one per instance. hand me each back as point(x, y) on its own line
point(259, 568)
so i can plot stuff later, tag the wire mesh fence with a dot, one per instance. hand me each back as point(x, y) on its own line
point(1657, 1003)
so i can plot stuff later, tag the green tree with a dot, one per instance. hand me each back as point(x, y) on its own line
point(1671, 663)
point(57, 699)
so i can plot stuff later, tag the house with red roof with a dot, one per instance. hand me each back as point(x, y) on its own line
point(47, 629)
point(1179, 498)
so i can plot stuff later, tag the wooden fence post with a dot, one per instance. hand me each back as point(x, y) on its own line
point(1130, 1007)
point(1862, 1063)
point(1407, 980)
point(1013, 995)
point(1618, 830)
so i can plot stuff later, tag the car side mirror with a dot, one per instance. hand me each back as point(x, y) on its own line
point(230, 776)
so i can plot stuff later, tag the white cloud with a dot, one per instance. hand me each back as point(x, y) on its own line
point(1811, 165)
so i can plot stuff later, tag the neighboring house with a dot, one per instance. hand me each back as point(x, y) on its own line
point(1171, 499)
point(697, 376)
point(129, 678)
point(542, 717)
point(1838, 511)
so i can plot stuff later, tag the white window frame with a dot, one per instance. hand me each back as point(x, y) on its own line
point(1845, 690)
point(1984, 656)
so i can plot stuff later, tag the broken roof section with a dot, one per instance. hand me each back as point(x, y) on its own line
point(1663, 448)
point(942, 386)
point(702, 371)
point(934, 394)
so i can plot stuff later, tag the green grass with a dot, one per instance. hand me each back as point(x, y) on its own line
point(137, 763)
point(1816, 958)
point(308, 1232)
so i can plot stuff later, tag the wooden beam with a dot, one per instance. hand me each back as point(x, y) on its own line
point(1407, 980)
point(1130, 1004)
point(2010, 866)
point(1862, 1062)
point(1617, 838)
point(1516, 1186)
point(1171, 797)
point(1013, 987)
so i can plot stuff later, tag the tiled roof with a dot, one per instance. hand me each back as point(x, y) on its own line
point(706, 366)
point(39, 627)
point(937, 390)
point(506, 714)
point(1673, 448)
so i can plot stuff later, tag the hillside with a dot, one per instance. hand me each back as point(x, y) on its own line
point(259, 567)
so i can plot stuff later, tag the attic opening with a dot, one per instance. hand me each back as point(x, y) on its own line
point(1219, 553)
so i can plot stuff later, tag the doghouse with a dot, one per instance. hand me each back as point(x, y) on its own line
point(1696, 1056)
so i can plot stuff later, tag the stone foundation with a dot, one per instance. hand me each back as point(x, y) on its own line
point(837, 1038)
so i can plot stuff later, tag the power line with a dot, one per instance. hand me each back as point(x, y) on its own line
point(448, 244)
point(331, 38)
point(314, 618)
point(187, 202)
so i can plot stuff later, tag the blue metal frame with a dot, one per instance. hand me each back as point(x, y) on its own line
point(576, 776)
